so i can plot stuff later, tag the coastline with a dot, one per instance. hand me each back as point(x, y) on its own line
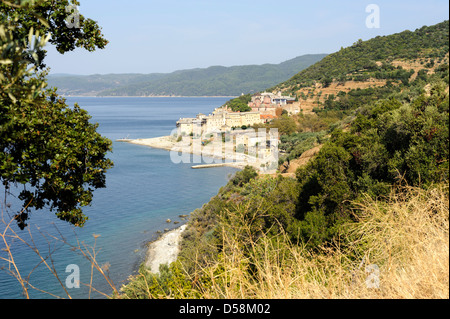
point(164, 250)
point(157, 96)
point(227, 158)
point(231, 159)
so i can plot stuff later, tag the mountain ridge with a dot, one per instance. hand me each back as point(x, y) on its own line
point(211, 81)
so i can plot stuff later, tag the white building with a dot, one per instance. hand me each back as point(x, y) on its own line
point(221, 119)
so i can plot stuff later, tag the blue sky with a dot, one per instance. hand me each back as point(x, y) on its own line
point(148, 36)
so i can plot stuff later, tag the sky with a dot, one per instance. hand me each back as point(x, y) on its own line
point(149, 36)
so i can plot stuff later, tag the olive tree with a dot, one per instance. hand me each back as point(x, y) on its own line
point(48, 150)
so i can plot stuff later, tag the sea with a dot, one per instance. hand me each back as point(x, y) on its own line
point(143, 190)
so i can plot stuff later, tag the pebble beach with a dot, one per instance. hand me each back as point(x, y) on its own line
point(164, 250)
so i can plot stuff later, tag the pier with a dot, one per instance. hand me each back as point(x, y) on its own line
point(208, 165)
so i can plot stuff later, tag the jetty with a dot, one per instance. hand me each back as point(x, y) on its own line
point(230, 164)
point(208, 165)
point(124, 140)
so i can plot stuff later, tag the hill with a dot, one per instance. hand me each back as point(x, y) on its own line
point(212, 81)
point(372, 169)
point(380, 62)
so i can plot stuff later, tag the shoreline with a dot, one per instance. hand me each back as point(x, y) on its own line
point(157, 96)
point(164, 250)
point(230, 159)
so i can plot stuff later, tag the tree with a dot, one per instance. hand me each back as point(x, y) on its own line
point(45, 145)
point(50, 17)
point(240, 104)
point(278, 112)
point(326, 82)
point(244, 176)
point(285, 125)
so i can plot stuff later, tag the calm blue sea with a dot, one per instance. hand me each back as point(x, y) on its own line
point(144, 189)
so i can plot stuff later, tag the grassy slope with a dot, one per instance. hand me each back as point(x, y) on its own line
point(402, 244)
point(397, 249)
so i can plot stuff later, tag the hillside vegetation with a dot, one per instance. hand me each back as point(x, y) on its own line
point(374, 58)
point(212, 81)
point(365, 216)
point(396, 248)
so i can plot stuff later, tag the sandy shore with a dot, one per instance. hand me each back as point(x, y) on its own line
point(227, 158)
point(164, 250)
point(163, 142)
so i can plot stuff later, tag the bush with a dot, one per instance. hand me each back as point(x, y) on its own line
point(244, 176)
point(405, 236)
point(389, 143)
point(171, 282)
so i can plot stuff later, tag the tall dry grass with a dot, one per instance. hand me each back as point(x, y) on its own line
point(398, 248)
point(9, 237)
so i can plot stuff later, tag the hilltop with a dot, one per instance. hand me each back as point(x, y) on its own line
point(212, 81)
point(380, 62)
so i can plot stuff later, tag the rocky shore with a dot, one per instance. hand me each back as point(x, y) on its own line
point(164, 250)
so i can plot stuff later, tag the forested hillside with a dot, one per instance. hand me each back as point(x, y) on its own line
point(212, 81)
point(374, 195)
point(374, 58)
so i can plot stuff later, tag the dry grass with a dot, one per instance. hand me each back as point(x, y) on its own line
point(398, 249)
point(9, 237)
